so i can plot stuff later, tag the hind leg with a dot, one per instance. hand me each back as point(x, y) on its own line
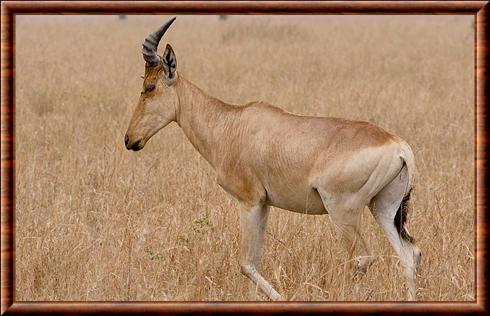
point(346, 219)
point(385, 206)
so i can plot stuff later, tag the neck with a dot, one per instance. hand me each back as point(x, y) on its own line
point(204, 119)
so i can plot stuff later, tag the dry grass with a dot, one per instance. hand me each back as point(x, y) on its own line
point(96, 222)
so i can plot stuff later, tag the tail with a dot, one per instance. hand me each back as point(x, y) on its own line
point(402, 212)
point(401, 217)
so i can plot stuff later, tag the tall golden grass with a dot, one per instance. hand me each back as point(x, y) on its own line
point(96, 222)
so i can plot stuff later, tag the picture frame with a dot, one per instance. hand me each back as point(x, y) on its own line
point(12, 8)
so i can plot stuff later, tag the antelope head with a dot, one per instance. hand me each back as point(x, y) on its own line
point(158, 102)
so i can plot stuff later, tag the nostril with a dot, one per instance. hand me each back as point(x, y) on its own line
point(126, 140)
point(136, 146)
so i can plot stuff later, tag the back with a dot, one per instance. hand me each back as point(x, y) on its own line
point(274, 134)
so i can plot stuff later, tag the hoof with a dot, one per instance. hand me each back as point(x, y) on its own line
point(357, 275)
point(274, 296)
point(361, 265)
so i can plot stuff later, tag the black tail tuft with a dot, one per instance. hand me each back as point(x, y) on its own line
point(401, 217)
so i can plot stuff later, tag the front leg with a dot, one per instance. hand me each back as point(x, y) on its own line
point(252, 228)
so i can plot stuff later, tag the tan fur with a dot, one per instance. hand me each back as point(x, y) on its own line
point(264, 156)
point(258, 148)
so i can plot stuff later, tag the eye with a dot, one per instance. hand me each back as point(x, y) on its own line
point(149, 88)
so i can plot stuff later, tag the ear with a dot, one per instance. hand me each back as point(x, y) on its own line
point(169, 65)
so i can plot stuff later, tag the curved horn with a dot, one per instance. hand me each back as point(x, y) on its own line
point(151, 43)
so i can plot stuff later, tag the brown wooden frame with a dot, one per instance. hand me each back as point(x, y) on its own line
point(11, 8)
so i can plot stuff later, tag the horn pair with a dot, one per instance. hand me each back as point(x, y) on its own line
point(151, 43)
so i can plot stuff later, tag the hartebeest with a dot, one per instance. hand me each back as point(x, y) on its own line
point(265, 156)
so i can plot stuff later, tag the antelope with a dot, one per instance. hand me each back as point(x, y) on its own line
point(264, 156)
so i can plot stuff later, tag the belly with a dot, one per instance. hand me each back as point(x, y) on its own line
point(299, 199)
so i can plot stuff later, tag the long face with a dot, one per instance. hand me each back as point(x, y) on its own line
point(158, 101)
point(156, 108)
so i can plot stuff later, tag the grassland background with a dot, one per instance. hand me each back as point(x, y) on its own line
point(96, 222)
